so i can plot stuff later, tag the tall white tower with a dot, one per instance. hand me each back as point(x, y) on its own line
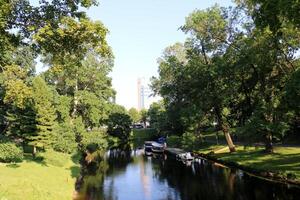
point(141, 93)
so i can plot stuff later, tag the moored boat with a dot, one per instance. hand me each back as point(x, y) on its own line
point(185, 156)
point(157, 147)
point(148, 146)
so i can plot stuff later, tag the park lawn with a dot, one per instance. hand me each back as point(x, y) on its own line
point(32, 180)
point(284, 159)
point(208, 148)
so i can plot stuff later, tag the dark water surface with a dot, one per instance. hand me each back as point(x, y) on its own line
point(130, 175)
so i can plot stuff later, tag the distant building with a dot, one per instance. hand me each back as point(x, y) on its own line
point(141, 93)
point(144, 94)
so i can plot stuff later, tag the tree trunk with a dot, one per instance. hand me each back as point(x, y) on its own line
point(225, 129)
point(268, 143)
point(75, 99)
point(197, 132)
point(34, 151)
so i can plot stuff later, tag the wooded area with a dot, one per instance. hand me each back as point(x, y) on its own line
point(238, 70)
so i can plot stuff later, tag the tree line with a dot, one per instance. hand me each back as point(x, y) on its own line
point(239, 69)
point(73, 100)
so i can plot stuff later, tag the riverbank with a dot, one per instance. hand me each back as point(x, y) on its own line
point(50, 178)
point(283, 164)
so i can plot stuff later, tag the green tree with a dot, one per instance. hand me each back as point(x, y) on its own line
point(80, 67)
point(144, 116)
point(43, 100)
point(273, 13)
point(158, 117)
point(119, 123)
point(134, 115)
point(210, 32)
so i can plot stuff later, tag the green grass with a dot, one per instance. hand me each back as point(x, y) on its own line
point(207, 148)
point(52, 178)
point(192, 143)
point(285, 159)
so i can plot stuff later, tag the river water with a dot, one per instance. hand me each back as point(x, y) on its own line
point(130, 175)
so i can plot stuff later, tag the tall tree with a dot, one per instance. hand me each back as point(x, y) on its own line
point(209, 39)
point(43, 100)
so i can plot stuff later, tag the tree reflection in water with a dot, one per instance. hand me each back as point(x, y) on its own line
point(126, 174)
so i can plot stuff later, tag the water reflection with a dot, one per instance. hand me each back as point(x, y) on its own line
point(126, 174)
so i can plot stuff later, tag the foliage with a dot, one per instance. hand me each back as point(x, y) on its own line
point(274, 13)
point(56, 108)
point(293, 92)
point(158, 117)
point(95, 139)
point(230, 73)
point(144, 116)
point(144, 134)
point(9, 152)
point(119, 125)
point(134, 115)
point(45, 113)
point(64, 139)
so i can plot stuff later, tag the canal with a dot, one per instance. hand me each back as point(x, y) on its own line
point(126, 174)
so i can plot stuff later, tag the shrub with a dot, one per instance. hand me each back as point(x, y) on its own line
point(174, 141)
point(9, 152)
point(64, 140)
point(94, 140)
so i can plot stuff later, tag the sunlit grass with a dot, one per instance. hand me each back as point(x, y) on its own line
point(39, 180)
point(283, 160)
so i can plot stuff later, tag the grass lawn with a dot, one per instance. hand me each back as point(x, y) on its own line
point(284, 160)
point(53, 178)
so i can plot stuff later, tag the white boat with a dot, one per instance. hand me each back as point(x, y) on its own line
point(148, 146)
point(185, 156)
point(157, 147)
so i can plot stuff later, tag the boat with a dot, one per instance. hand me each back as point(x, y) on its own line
point(157, 147)
point(185, 156)
point(148, 146)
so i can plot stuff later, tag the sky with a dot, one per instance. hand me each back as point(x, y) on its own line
point(139, 32)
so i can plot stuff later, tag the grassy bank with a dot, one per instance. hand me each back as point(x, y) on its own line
point(52, 178)
point(284, 160)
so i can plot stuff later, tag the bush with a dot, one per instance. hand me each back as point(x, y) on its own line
point(174, 141)
point(64, 140)
point(148, 134)
point(94, 140)
point(9, 152)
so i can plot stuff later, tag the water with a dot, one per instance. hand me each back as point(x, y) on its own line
point(130, 175)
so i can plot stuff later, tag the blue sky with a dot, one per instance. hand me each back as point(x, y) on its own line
point(139, 31)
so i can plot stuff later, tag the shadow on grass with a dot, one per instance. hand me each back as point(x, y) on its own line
point(14, 165)
point(38, 159)
point(75, 170)
point(261, 160)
